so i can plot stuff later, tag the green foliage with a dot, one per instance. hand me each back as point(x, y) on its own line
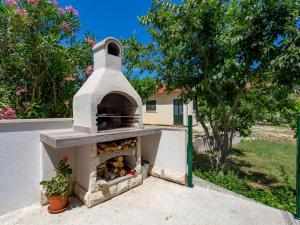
point(137, 56)
point(234, 58)
point(145, 87)
point(282, 197)
point(263, 170)
point(60, 184)
point(271, 158)
point(137, 59)
point(292, 115)
point(39, 52)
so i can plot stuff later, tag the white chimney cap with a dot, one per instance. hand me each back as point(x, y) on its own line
point(108, 54)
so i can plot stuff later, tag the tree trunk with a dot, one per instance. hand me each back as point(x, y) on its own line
point(200, 119)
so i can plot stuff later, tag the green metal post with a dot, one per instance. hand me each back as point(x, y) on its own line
point(190, 151)
point(298, 170)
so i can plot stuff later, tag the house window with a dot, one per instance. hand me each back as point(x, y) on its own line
point(194, 105)
point(150, 105)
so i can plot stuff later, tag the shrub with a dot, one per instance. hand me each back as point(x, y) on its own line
point(43, 62)
point(60, 184)
point(281, 197)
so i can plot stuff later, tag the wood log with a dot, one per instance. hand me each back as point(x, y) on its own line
point(103, 146)
point(102, 183)
point(115, 171)
point(109, 175)
point(114, 144)
point(120, 158)
point(102, 152)
point(122, 172)
point(121, 164)
point(115, 164)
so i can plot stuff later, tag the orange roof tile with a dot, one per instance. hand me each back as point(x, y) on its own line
point(163, 90)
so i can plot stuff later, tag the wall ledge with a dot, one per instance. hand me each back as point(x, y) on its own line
point(35, 124)
point(35, 120)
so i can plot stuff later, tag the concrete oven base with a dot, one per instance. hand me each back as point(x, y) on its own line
point(107, 192)
point(168, 175)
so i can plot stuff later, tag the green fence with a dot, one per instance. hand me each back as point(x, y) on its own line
point(297, 171)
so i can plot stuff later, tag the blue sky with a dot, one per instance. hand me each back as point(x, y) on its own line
point(117, 18)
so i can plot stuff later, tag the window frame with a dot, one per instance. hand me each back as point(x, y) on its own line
point(194, 105)
point(150, 107)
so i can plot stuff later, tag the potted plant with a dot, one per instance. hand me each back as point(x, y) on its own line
point(57, 187)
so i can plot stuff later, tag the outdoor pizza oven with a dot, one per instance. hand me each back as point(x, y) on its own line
point(107, 106)
point(106, 137)
point(106, 100)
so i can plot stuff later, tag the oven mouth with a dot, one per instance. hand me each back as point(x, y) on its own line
point(109, 122)
point(117, 111)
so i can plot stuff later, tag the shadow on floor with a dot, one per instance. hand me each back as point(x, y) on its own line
point(75, 202)
point(241, 167)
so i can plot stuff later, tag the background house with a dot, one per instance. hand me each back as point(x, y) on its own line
point(164, 108)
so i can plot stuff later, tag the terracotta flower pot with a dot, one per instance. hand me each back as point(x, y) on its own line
point(58, 203)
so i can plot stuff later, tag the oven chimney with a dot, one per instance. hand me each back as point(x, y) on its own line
point(108, 54)
point(106, 100)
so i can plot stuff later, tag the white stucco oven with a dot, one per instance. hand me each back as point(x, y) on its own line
point(105, 142)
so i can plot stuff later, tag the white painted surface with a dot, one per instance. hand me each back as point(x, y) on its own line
point(83, 165)
point(167, 151)
point(104, 60)
point(107, 78)
point(20, 161)
point(24, 161)
point(50, 158)
point(97, 86)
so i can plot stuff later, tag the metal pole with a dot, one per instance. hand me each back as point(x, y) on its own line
point(190, 151)
point(298, 170)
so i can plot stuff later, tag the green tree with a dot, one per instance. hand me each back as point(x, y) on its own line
point(145, 86)
point(42, 60)
point(231, 57)
point(133, 53)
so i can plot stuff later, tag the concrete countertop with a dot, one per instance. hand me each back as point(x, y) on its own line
point(63, 138)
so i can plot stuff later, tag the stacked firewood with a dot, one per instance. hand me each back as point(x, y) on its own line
point(116, 146)
point(113, 168)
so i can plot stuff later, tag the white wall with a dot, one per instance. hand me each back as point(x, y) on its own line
point(164, 110)
point(188, 110)
point(167, 154)
point(25, 161)
point(20, 161)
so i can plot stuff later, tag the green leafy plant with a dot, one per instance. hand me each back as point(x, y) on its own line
point(263, 170)
point(145, 87)
point(237, 60)
point(60, 184)
point(281, 197)
point(43, 61)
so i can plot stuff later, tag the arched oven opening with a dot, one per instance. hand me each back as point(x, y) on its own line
point(117, 111)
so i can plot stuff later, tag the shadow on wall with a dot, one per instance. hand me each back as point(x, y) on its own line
point(51, 157)
point(150, 146)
